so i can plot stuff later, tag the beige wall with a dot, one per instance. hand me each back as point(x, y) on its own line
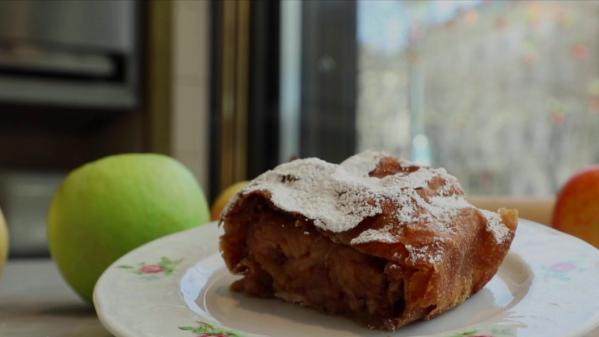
point(190, 137)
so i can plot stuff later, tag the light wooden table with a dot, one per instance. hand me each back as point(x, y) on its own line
point(35, 302)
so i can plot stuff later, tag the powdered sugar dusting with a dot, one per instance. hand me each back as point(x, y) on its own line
point(451, 202)
point(339, 197)
point(431, 254)
point(417, 179)
point(405, 211)
point(363, 162)
point(375, 235)
point(333, 197)
point(495, 226)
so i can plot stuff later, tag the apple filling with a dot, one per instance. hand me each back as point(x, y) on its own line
point(289, 259)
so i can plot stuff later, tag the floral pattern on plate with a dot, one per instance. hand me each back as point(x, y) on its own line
point(152, 271)
point(490, 332)
point(561, 270)
point(203, 329)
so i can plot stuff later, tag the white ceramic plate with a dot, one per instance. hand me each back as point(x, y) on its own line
point(178, 286)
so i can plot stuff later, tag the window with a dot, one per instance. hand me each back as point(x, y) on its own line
point(505, 95)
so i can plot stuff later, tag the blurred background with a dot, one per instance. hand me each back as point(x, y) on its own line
point(505, 95)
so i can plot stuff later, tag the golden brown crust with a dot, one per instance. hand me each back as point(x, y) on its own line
point(429, 264)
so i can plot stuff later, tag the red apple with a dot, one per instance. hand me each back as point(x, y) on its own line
point(577, 207)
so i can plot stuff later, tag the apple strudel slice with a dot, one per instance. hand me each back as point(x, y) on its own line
point(377, 239)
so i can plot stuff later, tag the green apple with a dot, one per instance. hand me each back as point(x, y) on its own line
point(3, 241)
point(106, 208)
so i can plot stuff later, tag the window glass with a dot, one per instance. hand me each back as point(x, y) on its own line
point(504, 94)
